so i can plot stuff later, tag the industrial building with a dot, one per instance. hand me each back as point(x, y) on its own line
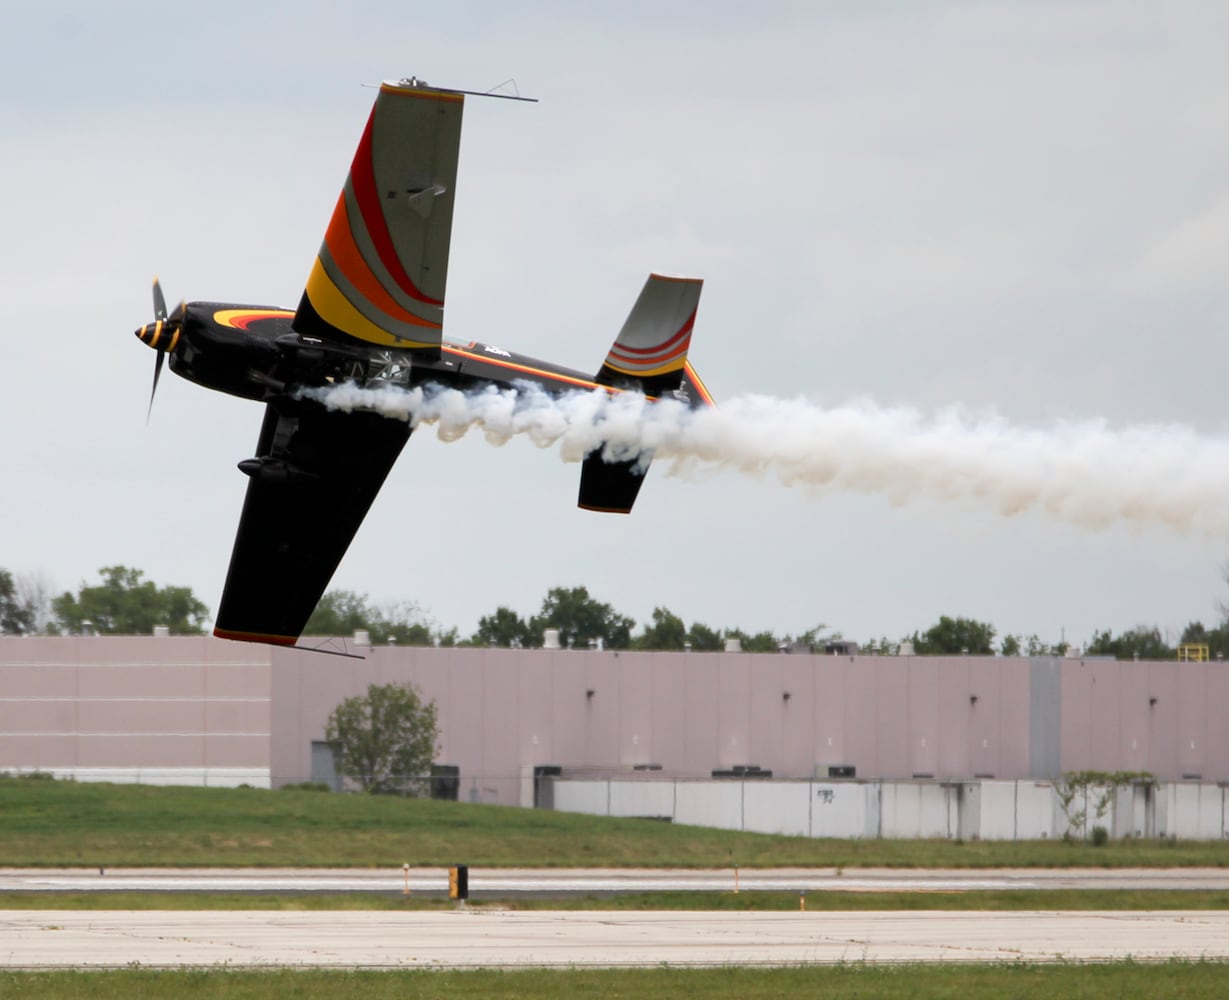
point(206, 711)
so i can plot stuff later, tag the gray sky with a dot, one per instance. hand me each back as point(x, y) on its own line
point(1021, 209)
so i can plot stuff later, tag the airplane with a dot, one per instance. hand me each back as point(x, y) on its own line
point(372, 314)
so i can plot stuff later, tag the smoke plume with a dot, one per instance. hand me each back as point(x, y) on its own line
point(1085, 472)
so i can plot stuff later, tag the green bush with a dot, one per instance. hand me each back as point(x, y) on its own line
point(306, 786)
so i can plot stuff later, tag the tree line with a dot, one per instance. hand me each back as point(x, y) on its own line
point(124, 603)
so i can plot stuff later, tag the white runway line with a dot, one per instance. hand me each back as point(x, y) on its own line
point(493, 881)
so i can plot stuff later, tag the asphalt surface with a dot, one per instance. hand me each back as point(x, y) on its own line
point(508, 882)
point(471, 938)
point(51, 938)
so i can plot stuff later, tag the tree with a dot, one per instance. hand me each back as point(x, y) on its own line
point(579, 618)
point(952, 636)
point(1217, 639)
point(385, 740)
point(704, 639)
point(814, 638)
point(883, 646)
point(1036, 647)
point(1010, 645)
point(667, 631)
point(504, 628)
point(124, 604)
point(1140, 642)
point(34, 594)
point(15, 619)
point(344, 612)
point(761, 642)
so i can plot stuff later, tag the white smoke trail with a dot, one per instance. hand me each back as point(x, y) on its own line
point(1085, 472)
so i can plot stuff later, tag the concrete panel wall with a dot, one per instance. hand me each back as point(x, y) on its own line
point(1035, 810)
point(892, 733)
point(835, 701)
point(189, 710)
point(1045, 719)
point(709, 803)
point(844, 809)
point(1194, 811)
point(1166, 718)
point(591, 797)
point(974, 810)
point(205, 703)
point(1215, 725)
point(1134, 813)
point(641, 798)
point(782, 807)
point(928, 688)
point(673, 714)
point(918, 809)
point(997, 815)
point(634, 730)
point(801, 744)
point(702, 743)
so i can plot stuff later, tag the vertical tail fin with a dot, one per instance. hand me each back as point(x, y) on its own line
point(650, 351)
point(649, 355)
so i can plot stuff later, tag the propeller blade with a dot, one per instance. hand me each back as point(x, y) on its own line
point(159, 301)
point(157, 372)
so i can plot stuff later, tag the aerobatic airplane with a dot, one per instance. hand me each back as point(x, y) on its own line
point(373, 314)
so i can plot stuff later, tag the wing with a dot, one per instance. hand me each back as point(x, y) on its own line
point(381, 272)
point(312, 482)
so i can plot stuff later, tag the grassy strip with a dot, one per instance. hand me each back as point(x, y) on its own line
point(54, 823)
point(1123, 980)
point(1005, 899)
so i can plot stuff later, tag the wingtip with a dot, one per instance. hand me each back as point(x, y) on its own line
point(270, 640)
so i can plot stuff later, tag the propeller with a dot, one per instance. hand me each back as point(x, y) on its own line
point(162, 335)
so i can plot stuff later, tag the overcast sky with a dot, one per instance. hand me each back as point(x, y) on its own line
point(1018, 209)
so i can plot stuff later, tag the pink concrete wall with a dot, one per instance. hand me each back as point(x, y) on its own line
point(1165, 717)
point(133, 703)
point(504, 710)
point(205, 703)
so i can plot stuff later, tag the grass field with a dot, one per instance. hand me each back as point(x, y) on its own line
point(1122, 981)
point(45, 823)
point(63, 823)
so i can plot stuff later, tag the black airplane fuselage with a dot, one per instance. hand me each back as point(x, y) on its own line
point(255, 353)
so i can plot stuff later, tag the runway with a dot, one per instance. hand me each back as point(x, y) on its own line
point(470, 938)
point(508, 883)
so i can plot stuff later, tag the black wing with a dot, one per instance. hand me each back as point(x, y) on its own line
point(315, 475)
